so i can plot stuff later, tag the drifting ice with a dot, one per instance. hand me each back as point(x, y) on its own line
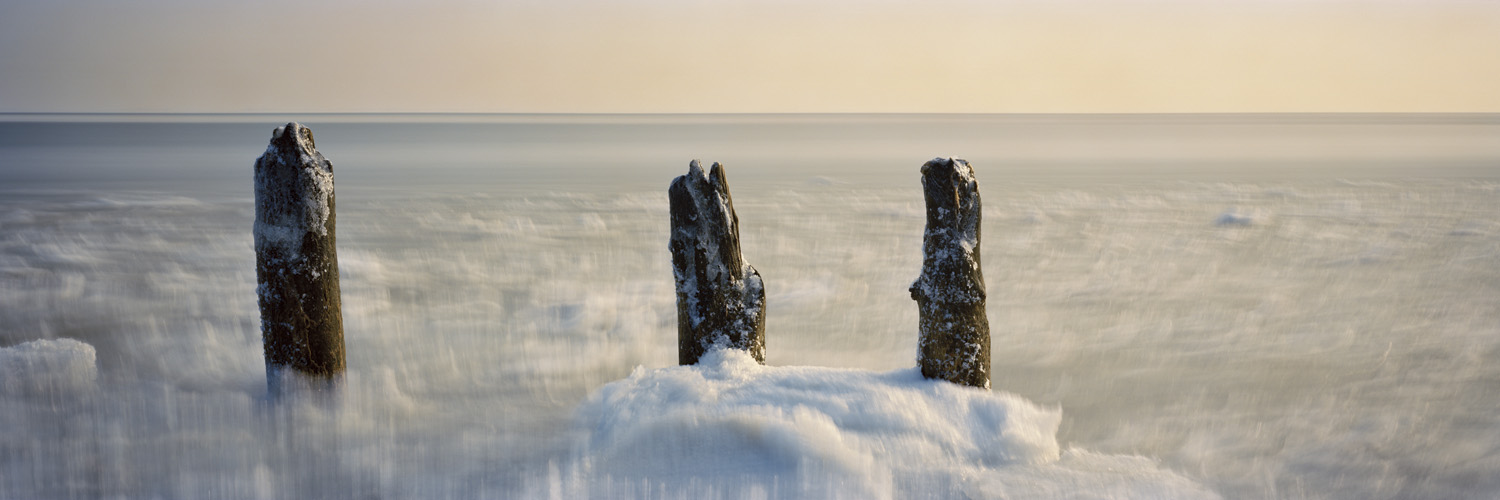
point(53, 367)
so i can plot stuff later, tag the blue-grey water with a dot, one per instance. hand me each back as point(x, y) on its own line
point(1260, 306)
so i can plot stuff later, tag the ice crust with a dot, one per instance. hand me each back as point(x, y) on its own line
point(953, 250)
point(47, 367)
point(287, 216)
point(729, 427)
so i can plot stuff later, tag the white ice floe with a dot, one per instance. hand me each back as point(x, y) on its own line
point(1232, 218)
point(47, 367)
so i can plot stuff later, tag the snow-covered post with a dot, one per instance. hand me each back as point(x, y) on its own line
point(296, 261)
point(720, 298)
point(955, 341)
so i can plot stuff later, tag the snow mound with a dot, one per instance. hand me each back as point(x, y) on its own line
point(62, 366)
point(729, 427)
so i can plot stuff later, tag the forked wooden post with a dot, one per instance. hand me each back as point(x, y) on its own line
point(296, 259)
point(955, 334)
point(720, 299)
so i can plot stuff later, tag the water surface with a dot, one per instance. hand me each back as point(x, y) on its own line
point(1270, 306)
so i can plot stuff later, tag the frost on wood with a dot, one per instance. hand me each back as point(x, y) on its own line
point(955, 335)
point(720, 298)
point(296, 262)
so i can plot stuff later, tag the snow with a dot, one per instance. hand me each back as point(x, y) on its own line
point(730, 427)
point(298, 207)
point(294, 199)
point(953, 247)
point(47, 367)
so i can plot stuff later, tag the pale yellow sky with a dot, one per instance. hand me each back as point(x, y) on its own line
point(663, 56)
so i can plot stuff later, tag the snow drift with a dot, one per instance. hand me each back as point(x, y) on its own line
point(729, 427)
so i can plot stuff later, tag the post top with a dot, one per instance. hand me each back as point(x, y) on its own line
point(294, 136)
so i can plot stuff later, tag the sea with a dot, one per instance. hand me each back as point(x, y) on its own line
point(1238, 306)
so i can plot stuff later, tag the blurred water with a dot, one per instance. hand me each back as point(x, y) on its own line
point(1271, 306)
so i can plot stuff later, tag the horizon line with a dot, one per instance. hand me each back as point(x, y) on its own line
point(500, 117)
point(605, 113)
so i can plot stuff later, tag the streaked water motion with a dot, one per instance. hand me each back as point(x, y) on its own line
point(1267, 306)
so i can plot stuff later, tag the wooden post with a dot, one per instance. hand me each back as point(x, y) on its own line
point(296, 259)
point(955, 334)
point(720, 298)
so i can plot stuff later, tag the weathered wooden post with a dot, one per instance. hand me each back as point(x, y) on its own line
point(296, 259)
point(955, 334)
point(720, 298)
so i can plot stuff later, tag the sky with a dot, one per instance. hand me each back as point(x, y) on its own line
point(750, 56)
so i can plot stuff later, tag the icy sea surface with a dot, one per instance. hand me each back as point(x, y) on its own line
point(1181, 307)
